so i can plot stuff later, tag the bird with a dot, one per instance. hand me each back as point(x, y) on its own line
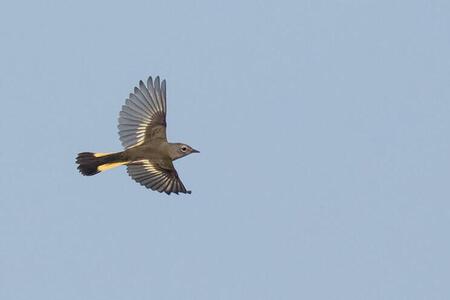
point(147, 154)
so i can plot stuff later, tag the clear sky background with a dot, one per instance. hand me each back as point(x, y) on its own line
point(323, 128)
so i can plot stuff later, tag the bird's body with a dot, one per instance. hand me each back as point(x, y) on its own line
point(142, 129)
point(152, 151)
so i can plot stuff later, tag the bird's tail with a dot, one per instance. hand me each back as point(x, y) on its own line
point(92, 163)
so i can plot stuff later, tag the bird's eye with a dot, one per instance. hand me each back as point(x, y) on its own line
point(184, 148)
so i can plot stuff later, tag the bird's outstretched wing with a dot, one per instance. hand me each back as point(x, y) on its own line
point(143, 117)
point(159, 176)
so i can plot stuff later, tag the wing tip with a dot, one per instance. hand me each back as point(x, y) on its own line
point(175, 192)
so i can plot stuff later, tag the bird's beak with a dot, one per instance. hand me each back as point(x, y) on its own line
point(195, 151)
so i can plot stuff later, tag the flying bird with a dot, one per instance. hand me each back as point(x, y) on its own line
point(142, 129)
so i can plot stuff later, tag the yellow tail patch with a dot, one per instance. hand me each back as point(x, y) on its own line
point(101, 154)
point(105, 167)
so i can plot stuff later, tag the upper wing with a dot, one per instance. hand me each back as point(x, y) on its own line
point(143, 117)
point(159, 176)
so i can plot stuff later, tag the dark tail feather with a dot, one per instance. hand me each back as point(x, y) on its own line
point(92, 163)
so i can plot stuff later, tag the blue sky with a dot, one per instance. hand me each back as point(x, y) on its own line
point(323, 130)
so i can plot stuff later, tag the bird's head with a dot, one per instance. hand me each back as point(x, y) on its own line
point(178, 150)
